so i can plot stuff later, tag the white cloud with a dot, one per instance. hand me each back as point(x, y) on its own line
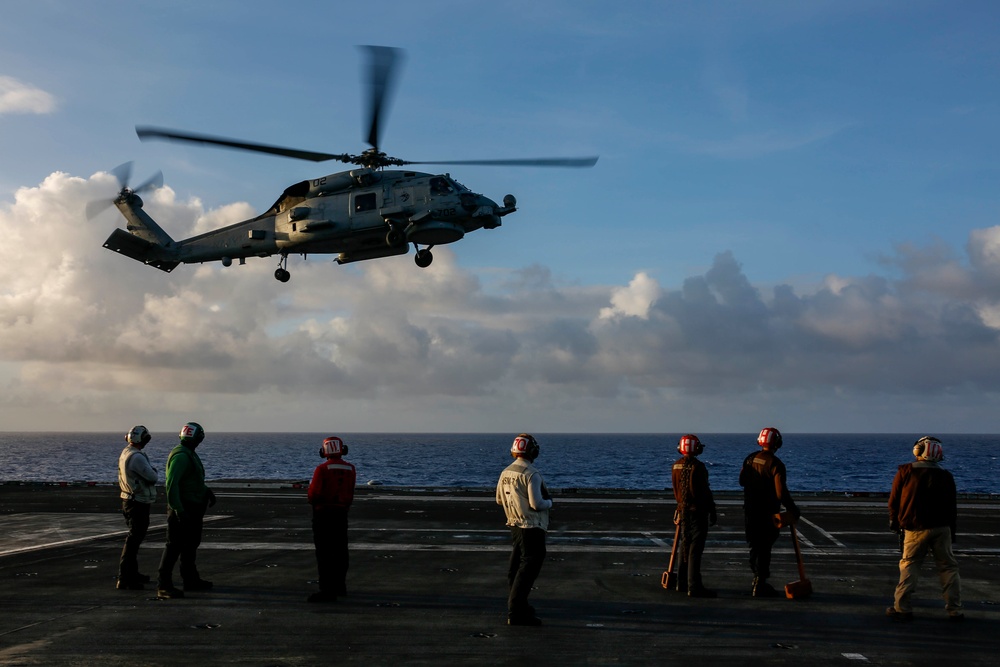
point(634, 300)
point(19, 97)
point(92, 336)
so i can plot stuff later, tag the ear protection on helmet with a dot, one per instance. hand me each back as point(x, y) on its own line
point(525, 445)
point(138, 435)
point(769, 438)
point(690, 445)
point(928, 448)
point(332, 446)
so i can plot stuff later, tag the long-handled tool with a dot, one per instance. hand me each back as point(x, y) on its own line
point(801, 589)
point(669, 578)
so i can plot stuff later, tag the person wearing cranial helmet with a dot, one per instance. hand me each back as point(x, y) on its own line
point(923, 505)
point(331, 493)
point(765, 490)
point(188, 497)
point(695, 513)
point(526, 502)
point(137, 484)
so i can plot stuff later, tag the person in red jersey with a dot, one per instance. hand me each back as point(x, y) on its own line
point(331, 492)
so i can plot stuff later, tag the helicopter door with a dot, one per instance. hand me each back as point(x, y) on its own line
point(364, 210)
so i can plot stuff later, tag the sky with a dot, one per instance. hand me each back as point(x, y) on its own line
point(794, 220)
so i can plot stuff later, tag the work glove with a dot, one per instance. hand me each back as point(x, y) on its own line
point(712, 518)
point(894, 526)
point(211, 498)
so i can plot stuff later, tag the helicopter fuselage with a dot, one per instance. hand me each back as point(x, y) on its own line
point(359, 214)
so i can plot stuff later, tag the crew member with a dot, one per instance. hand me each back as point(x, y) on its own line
point(526, 502)
point(695, 513)
point(187, 499)
point(765, 490)
point(923, 504)
point(331, 492)
point(137, 482)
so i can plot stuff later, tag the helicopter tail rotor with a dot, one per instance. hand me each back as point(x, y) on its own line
point(123, 174)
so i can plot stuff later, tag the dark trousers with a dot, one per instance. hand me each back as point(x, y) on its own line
point(526, 560)
point(761, 536)
point(183, 538)
point(137, 519)
point(332, 556)
point(694, 532)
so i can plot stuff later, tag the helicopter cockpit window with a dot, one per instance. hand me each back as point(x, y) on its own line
point(440, 186)
point(365, 202)
point(458, 186)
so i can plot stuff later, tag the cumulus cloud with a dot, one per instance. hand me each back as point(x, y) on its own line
point(19, 97)
point(84, 331)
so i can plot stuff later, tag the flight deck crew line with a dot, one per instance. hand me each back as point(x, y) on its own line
point(922, 504)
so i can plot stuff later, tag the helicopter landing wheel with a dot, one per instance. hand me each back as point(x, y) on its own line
point(423, 258)
point(394, 237)
point(282, 275)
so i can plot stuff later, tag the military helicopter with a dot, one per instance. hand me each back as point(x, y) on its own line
point(361, 214)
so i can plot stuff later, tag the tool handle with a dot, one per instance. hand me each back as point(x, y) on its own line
point(798, 552)
point(673, 550)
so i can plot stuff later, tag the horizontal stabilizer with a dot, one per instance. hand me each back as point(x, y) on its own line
point(143, 251)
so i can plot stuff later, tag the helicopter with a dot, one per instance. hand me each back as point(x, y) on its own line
point(364, 213)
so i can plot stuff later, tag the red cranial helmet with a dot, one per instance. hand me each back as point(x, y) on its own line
point(690, 445)
point(332, 446)
point(769, 438)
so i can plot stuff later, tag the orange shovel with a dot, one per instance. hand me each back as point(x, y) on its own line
point(802, 588)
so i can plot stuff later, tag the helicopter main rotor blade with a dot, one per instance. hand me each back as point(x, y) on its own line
point(145, 132)
point(383, 63)
point(525, 162)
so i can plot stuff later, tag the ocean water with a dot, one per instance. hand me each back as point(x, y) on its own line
point(815, 462)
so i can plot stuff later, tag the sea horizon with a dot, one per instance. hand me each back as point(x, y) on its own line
point(835, 462)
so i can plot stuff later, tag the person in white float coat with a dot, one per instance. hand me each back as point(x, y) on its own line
point(526, 502)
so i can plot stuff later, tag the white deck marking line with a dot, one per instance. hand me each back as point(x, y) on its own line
point(855, 656)
point(551, 548)
point(88, 538)
point(823, 532)
point(655, 540)
point(850, 503)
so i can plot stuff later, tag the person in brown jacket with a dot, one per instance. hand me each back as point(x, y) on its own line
point(765, 490)
point(695, 513)
point(923, 505)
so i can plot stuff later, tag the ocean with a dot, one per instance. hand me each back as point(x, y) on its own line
point(815, 462)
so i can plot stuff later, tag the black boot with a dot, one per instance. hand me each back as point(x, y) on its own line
point(762, 589)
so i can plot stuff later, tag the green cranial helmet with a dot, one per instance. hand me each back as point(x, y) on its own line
point(192, 434)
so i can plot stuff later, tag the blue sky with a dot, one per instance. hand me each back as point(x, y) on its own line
point(794, 219)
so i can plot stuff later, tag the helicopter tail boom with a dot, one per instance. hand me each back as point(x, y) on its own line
point(132, 246)
point(144, 241)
